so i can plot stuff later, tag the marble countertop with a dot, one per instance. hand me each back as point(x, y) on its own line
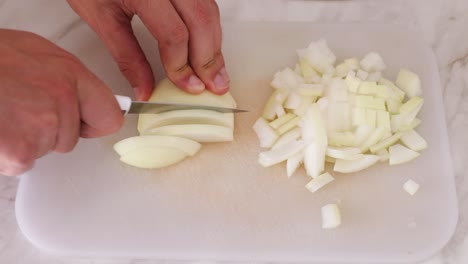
point(444, 24)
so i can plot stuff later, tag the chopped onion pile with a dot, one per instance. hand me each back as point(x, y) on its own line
point(346, 114)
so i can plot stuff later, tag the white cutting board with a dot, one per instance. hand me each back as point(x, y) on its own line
point(221, 205)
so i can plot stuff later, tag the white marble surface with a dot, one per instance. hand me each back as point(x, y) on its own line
point(445, 27)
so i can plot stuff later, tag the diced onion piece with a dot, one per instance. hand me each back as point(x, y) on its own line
point(383, 119)
point(294, 101)
point(269, 112)
point(310, 74)
point(286, 79)
point(265, 133)
point(330, 159)
point(373, 139)
point(342, 139)
point(323, 103)
point(371, 118)
point(350, 166)
point(314, 158)
point(293, 163)
point(393, 105)
point(359, 116)
point(364, 101)
point(353, 63)
point(410, 109)
point(272, 157)
point(339, 117)
point(368, 88)
point(413, 104)
point(411, 187)
point(362, 75)
point(344, 153)
point(374, 77)
point(352, 82)
point(361, 134)
point(413, 140)
point(387, 134)
point(416, 122)
point(317, 183)
point(282, 120)
point(409, 82)
point(383, 154)
point(337, 90)
point(319, 56)
point(396, 121)
point(385, 143)
point(313, 126)
point(280, 111)
point(311, 89)
point(291, 124)
point(372, 62)
point(382, 91)
point(291, 135)
point(379, 104)
point(305, 103)
point(342, 70)
point(400, 154)
point(331, 217)
point(396, 92)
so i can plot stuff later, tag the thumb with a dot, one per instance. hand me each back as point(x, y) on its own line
point(100, 113)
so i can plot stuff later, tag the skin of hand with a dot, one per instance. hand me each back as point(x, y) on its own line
point(48, 100)
point(188, 34)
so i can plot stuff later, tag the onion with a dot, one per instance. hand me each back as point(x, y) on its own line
point(331, 217)
point(348, 115)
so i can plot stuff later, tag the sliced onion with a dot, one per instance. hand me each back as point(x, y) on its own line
point(350, 166)
point(319, 182)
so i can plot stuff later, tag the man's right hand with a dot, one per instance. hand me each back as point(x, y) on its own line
point(48, 99)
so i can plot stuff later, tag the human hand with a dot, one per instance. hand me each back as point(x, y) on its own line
point(188, 34)
point(48, 100)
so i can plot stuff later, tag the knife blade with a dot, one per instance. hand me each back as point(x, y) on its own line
point(140, 107)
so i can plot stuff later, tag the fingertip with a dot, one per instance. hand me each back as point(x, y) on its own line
point(220, 83)
point(191, 84)
point(195, 85)
point(142, 94)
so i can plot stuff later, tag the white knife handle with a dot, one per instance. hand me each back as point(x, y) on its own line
point(124, 102)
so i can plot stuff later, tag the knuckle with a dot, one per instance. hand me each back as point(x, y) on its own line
point(132, 68)
point(204, 15)
point(125, 66)
point(47, 121)
point(66, 148)
point(178, 35)
point(21, 160)
point(67, 95)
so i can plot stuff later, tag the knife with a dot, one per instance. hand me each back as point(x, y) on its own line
point(140, 107)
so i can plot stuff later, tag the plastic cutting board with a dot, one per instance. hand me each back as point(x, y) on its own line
point(221, 205)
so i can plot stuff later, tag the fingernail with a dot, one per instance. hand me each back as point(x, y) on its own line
point(137, 93)
point(195, 84)
point(221, 80)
